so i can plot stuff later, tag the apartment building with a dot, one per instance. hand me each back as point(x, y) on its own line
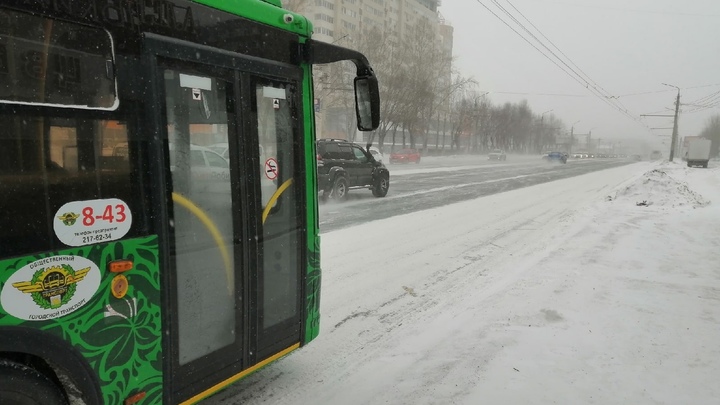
point(337, 19)
point(344, 22)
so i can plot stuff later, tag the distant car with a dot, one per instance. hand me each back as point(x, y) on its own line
point(405, 156)
point(497, 154)
point(208, 171)
point(556, 157)
point(376, 153)
point(221, 148)
point(637, 157)
point(224, 150)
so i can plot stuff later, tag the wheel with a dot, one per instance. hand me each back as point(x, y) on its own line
point(381, 186)
point(340, 189)
point(23, 385)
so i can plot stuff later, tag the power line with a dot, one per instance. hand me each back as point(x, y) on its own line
point(552, 43)
point(704, 107)
point(639, 11)
point(656, 112)
point(584, 77)
point(704, 85)
point(643, 93)
point(665, 91)
point(706, 104)
point(583, 81)
point(538, 94)
point(708, 98)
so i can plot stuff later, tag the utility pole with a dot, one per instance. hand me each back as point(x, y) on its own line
point(675, 127)
point(542, 126)
point(572, 139)
point(675, 124)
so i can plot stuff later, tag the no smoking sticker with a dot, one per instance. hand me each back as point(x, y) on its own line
point(271, 169)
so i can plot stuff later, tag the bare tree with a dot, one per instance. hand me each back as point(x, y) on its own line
point(298, 6)
point(712, 132)
point(478, 125)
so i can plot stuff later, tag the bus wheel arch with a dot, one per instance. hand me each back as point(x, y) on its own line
point(29, 385)
point(52, 357)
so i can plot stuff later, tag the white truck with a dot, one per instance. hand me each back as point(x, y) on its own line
point(698, 152)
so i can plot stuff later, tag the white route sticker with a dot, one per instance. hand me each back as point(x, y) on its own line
point(80, 223)
point(50, 288)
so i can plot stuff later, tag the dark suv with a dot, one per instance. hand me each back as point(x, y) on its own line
point(344, 166)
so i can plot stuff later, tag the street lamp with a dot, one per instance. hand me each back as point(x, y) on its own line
point(474, 143)
point(589, 141)
point(572, 138)
point(572, 127)
point(542, 124)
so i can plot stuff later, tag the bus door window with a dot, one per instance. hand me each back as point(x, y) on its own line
point(279, 273)
point(197, 115)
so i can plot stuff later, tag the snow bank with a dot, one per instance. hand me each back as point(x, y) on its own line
point(661, 187)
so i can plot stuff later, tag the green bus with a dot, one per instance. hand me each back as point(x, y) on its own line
point(159, 230)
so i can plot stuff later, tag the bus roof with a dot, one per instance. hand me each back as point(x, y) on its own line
point(269, 12)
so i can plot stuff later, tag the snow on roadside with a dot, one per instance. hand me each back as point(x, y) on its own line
point(547, 294)
point(663, 186)
point(628, 309)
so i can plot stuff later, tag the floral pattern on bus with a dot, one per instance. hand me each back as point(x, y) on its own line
point(119, 338)
point(312, 326)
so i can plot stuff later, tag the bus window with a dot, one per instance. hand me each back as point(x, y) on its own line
point(203, 243)
point(280, 268)
point(48, 162)
point(52, 62)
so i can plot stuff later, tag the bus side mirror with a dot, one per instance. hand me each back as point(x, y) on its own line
point(367, 102)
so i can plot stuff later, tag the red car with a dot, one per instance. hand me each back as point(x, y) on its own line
point(405, 156)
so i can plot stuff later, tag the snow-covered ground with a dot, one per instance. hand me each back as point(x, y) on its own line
point(597, 289)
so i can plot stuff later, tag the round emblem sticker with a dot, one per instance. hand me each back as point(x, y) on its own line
point(50, 288)
point(80, 223)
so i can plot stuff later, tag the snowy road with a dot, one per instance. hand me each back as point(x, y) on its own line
point(441, 181)
point(520, 297)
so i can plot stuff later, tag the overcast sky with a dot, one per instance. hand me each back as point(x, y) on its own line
point(624, 46)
